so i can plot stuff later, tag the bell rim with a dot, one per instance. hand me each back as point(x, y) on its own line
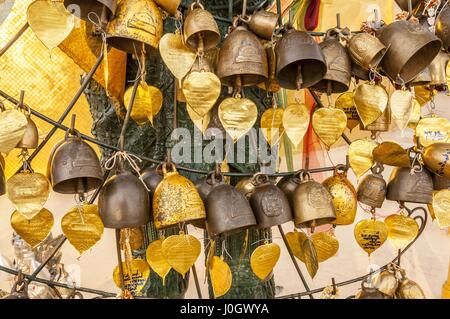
point(115, 42)
point(314, 222)
point(100, 5)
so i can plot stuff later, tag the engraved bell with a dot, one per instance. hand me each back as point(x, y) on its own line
point(89, 10)
point(372, 189)
point(263, 23)
point(288, 185)
point(438, 69)
point(366, 50)
point(201, 31)
point(410, 186)
point(436, 158)
point(204, 187)
point(31, 136)
point(270, 205)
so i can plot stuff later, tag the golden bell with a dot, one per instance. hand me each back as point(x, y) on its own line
point(263, 24)
point(366, 50)
point(201, 32)
point(438, 69)
point(31, 137)
point(409, 289)
point(424, 78)
point(88, 10)
point(242, 59)
point(381, 124)
point(338, 76)
point(372, 189)
point(138, 23)
point(300, 61)
point(411, 49)
point(405, 186)
point(443, 27)
point(313, 204)
point(176, 200)
point(170, 6)
point(436, 158)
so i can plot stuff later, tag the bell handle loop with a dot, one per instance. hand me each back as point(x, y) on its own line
point(22, 106)
point(305, 176)
point(171, 166)
point(378, 168)
point(341, 170)
point(259, 179)
point(197, 5)
point(72, 131)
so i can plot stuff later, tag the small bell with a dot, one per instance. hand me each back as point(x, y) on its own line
point(436, 158)
point(313, 204)
point(138, 23)
point(370, 292)
point(90, 10)
point(301, 63)
point(439, 183)
point(366, 50)
point(31, 138)
point(438, 69)
point(242, 59)
point(123, 202)
point(408, 289)
point(271, 85)
point(151, 178)
point(170, 6)
point(372, 189)
point(263, 24)
point(405, 186)
point(228, 211)
point(288, 185)
point(204, 187)
point(443, 27)
point(201, 31)
point(269, 203)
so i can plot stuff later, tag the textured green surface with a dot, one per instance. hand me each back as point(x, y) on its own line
point(154, 141)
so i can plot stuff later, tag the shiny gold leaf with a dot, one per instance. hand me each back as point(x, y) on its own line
point(329, 124)
point(28, 192)
point(360, 156)
point(83, 227)
point(201, 90)
point(309, 254)
point(237, 116)
point(221, 277)
point(295, 240)
point(147, 103)
point(424, 94)
point(345, 103)
point(12, 129)
point(370, 102)
point(50, 22)
point(401, 107)
point(414, 117)
point(34, 230)
point(181, 252)
point(263, 260)
point(272, 125)
point(370, 234)
point(295, 122)
point(392, 154)
point(135, 277)
point(326, 245)
point(200, 122)
point(441, 207)
point(156, 259)
point(178, 58)
point(402, 230)
point(432, 130)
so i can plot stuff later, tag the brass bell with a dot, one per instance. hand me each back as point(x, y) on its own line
point(436, 158)
point(424, 78)
point(288, 185)
point(88, 9)
point(242, 59)
point(372, 189)
point(300, 61)
point(170, 6)
point(123, 202)
point(382, 124)
point(204, 187)
point(439, 183)
point(151, 178)
point(313, 204)
point(359, 73)
point(370, 292)
point(443, 27)
point(31, 137)
point(228, 211)
point(412, 47)
point(246, 187)
point(405, 186)
point(408, 289)
point(75, 167)
point(338, 76)
point(366, 50)
point(438, 69)
point(270, 205)
point(201, 31)
point(263, 23)
point(138, 23)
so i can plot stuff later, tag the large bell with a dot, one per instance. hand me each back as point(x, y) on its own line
point(242, 59)
point(438, 69)
point(138, 23)
point(443, 27)
point(338, 76)
point(412, 47)
point(263, 24)
point(228, 211)
point(270, 205)
point(123, 202)
point(436, 158)
point(90, 10)
point(301, 63)
point(75, 167)
point(372, 189)
point(201, 31)
point(31, 137)
point(366, 50)
point(313, 204)
point(408, 187)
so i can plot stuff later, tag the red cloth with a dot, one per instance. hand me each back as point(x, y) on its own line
point(312, 15)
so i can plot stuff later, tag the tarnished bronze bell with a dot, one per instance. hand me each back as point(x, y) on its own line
point(366, 50)
point(204, 187)
point(91, 10)
point(359, 73)
point(412, 47)
point(138, 23)
point(123, 202)
point(151, 178)
point(75, 167)
point(436, 158)
point(440, 182)
point(201, 31)
point(313, 204)
point(382, 124)
point(370, 292)
point(263, 23)
point(242, 59)
point(411, 187)
point(338, 76)
point(300, 61)
point(246, 187)
point(443, 27)
point(31, 137)
point(170, 6)
point(228, 211)
point(438, 69)
point(288, 185)
point(270, 205)
point(372, 189)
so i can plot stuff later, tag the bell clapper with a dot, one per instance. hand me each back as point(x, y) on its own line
point(299, 79)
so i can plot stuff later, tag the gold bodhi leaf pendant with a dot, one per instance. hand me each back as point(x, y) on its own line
point(296, 122)
point(345, 103)
point(156, 259)
point(402, 230)
point(220, 275)
point(360, 154)
point(272, 125)
point(370, 234)
point(178, 58)
point(35, 230)
point(329, 124)
point(263, 260)
point(147, 103)
point(135, 275)
point(237, 116)
point(181, 251)
point(390, 153)
point(201, 91)
point(12, 129)
point(370, 101)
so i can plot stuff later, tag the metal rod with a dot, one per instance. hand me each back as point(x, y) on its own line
point(197, 282)
point(244, 8)
point(294, 261)
point(14, 38)
point(279, 13)
point(128, 115)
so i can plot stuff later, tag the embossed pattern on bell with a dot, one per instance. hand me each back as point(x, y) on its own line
point(372, 190)
point(405, 186)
